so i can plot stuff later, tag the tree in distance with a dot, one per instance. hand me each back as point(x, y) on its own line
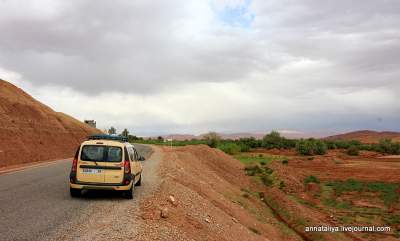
point(112, 130)
point(125, 133)
point(212, 139)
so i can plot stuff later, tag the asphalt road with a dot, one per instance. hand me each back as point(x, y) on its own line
point(36, 201)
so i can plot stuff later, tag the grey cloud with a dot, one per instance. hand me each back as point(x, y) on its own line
point(294, 51)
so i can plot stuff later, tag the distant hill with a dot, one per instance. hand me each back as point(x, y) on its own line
point(366, 136)
point(31, 131)
point(233, 136)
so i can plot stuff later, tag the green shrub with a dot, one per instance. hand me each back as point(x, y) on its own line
point(275, 140)
point(353, 151)
point(230, 148)
point(310, 179)
point(282, 185)
point(244, 147)
point(389, 147)
point(250, 142)
point(305, 147)
point(272, 140)
point(319, 147)
point(266, 179)
point(285, 161)
point(311, 147)
point(212, 139)
point(252, 170)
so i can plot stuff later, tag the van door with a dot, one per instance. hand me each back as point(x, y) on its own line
point(114, 165)
point(137, 165)
point(88, 164)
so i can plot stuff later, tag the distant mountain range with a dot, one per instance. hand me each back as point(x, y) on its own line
point(234, 136)
point(365, 136)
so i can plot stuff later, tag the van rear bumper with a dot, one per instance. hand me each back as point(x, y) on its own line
point(101, 186)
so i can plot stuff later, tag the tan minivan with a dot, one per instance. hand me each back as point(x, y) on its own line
point(108, 163)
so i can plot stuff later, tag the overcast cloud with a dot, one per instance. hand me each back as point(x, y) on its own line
point(184, 66)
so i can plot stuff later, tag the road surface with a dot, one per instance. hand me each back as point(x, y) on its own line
point(35, 203)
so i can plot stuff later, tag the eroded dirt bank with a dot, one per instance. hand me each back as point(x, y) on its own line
point(32, 132)
point(205, 195)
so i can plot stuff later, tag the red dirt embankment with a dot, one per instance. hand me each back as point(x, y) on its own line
point(31, 132)
point(211, 200)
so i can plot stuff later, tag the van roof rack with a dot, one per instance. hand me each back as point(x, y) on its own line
point(108, 137)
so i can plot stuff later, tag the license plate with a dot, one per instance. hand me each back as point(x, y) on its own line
point(91, 171)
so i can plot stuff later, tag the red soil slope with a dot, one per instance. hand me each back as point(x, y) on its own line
point(367, 136)
point(32, 132)
point(212, 200)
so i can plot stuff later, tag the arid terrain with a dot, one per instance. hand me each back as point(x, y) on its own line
point(334, 189)
point(31, 132)
point(192, 192)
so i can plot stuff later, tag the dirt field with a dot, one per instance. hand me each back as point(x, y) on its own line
point(346, 190)
point(208, 196)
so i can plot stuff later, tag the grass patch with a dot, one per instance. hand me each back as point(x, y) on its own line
point(387, 190)
point(350, 185)
point(264, 173)
point(262, 159)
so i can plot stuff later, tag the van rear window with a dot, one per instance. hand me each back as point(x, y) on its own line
point(101, 153)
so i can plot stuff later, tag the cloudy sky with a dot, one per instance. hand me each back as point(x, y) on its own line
point(183, 66)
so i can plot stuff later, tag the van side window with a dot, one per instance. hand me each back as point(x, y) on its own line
point(131, 154)
point(136, 154)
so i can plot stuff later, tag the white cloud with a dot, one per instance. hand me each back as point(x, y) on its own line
point(159, 67)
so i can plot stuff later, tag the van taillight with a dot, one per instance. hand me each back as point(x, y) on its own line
point(74, 165)
point(127, 167)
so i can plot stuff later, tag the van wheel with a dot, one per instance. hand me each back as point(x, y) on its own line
point(129, 193)
point(139, 183)
point(74, 192)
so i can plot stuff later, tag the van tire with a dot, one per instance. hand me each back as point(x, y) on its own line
point(74, 192)
point(129, 193)
point(139, 183)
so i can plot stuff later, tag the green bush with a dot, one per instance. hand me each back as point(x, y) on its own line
point(212, 139)
point(244, 147)
point(266, 179)
point(252, 170)
point(282, 185)
point(310, 179)
point(311, 147)
point(272, 140)
point(230, 148)
point(285, 161)
point(319, 147)
point(353, 151)
point(305, 147)
point(250, 142)
point(275, 140)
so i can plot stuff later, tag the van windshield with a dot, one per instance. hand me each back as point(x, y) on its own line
point(101, 153)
